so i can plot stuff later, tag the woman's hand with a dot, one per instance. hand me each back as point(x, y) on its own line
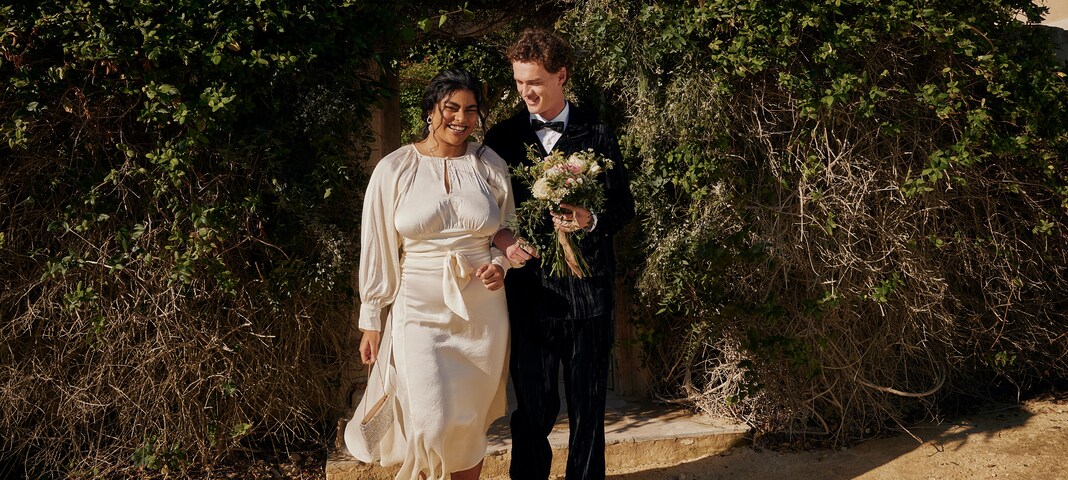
point(369, 346)
point(520, 252)
point(492, 276)
point(515, 248)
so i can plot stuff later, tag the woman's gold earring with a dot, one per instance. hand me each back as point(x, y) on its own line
point(428, 120)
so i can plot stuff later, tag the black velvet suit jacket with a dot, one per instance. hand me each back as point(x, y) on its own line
point(531, 291)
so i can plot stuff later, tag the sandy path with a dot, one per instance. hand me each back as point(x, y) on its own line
point(1028, 441)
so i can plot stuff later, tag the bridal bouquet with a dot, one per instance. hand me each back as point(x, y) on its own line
point(554, 180)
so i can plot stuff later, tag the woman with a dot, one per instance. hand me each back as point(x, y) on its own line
point(429, 213)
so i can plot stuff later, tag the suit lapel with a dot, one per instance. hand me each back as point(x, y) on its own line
point(578, 128)
point(530, 139)
point(524, 134)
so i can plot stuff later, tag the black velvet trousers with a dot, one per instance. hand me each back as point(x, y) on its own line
point(539, 347)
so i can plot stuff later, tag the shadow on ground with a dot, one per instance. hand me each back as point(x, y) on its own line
point(1008, 441)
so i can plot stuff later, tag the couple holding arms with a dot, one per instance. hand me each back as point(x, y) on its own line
point(434, 254)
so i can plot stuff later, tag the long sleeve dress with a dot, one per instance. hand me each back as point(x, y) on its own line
point(421, 244)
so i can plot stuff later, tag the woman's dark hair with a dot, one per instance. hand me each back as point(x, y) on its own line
point(446, 83)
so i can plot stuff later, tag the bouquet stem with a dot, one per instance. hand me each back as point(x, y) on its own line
point(573, 263)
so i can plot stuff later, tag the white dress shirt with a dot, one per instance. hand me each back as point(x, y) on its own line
point(548, 136)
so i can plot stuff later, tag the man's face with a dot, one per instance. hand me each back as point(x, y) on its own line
point(543, 92)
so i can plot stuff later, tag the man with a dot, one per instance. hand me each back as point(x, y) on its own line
point(566, 320)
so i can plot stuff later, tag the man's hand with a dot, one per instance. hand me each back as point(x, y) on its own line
point(492, 276)
point(369, 346)
point(573, 218)
point(515, 248)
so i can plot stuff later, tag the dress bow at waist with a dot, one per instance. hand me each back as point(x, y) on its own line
point(457, 272)
point(457, 275)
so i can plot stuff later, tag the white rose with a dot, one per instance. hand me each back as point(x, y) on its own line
point(541, 190)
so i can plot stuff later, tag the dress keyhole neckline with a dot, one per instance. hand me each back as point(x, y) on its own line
point(448, 183)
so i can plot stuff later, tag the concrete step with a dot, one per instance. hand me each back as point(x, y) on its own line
point(638, 436)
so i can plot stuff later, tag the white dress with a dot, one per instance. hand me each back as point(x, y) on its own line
point(420, 248)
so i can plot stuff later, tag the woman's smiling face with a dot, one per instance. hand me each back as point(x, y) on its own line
point(453, 120)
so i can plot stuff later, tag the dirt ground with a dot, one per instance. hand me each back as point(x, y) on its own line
point(1028, 441)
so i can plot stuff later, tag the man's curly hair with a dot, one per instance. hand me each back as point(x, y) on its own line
point(538, 45)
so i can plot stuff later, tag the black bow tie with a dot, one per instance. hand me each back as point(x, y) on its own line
point(555, 126)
